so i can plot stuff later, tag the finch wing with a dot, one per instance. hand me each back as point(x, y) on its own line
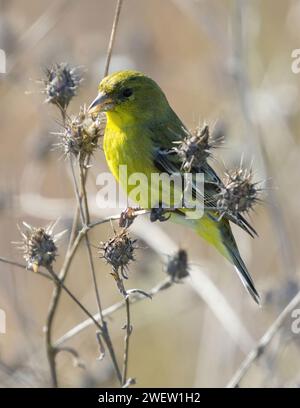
point(166, 160)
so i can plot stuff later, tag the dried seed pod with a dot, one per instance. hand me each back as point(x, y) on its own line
point(38, 246)
point(61, 84)
point(177, 266)
point(196, 147)
point(119, 252)
point(239, 193)
point(81, 134)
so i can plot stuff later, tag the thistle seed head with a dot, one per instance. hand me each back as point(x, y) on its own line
point(81, 134)
point(61, 84)
point(38, 246)
point(119, 252)
point(239, 193)
point(177, 266)
point(196, 147)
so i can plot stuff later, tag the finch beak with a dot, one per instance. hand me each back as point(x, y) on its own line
point(101, 103)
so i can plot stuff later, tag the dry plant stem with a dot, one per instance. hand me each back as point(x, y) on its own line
point(113, 36)
point(84, 212)
point(20, 265)
point(87, 241)
point(104, 329)
point(51, 350)
point(56, 294)
point(54, 349)
point(261, 346)
point(53, 276)
point(72, 247)
point(83, 192)
point(135, 297)
point(72, 296)
point(128, 329)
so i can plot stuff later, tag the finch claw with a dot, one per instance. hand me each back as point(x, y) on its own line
point(159, 214)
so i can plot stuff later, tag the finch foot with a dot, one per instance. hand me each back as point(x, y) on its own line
point(159, 214)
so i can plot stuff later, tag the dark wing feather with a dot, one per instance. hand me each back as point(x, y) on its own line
point(166, 160)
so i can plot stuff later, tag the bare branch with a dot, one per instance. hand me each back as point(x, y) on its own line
point(261, 346)
point(113, 36)
point(134, 298)
point(23, 266)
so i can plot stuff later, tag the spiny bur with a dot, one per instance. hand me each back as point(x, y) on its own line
point(61, 84)
point(38, 246)
point(81, 134)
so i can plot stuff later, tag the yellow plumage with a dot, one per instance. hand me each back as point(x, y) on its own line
point(140, 125)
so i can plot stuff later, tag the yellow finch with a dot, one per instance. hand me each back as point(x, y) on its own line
point(140, 133)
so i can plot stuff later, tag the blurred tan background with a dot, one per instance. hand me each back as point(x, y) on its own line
point(226, 62)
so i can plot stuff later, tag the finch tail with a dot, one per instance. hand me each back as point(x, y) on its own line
point(219, 234)
point(234, 257)
point(245, 277)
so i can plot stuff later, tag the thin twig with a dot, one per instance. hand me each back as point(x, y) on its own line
point(51, 350)
point(86, 221)
point(84, 213)
point(261, 346)
point(112, 36)
point(53, 276)
point(56, 294)
point(20, 265)
point(128, 329)
point(83, 308)
point(134, 298)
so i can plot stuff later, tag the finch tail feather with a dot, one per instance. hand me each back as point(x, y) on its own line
point(242, 271)
point(219, 234)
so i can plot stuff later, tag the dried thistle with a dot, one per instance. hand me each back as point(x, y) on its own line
point(81, 134)
point(38, 246)
point(239, 193)
point(177, 266)
point(119, 252)
point(61, 84)
point(196, 147)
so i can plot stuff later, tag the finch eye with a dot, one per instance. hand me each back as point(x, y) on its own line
point(127, 92)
